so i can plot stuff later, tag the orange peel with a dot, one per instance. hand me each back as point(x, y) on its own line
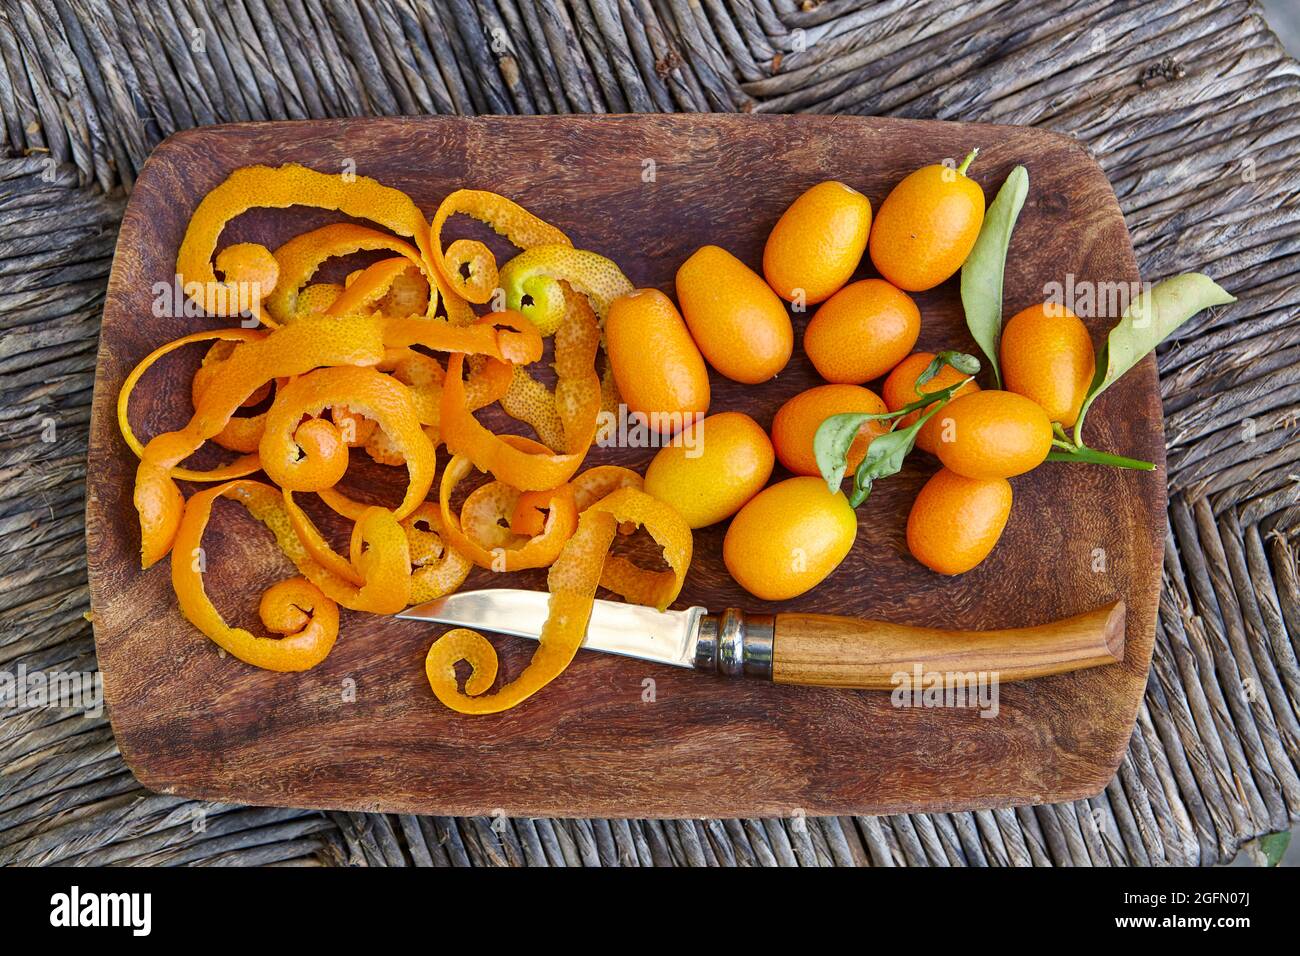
point(598, 481)
point(576, 404)
point(238, 468)
point(594, 483)
point(468, 266)
point(289, 351)
point(669, 530)
point(572, 581)
point(505, 336)
point(295, 608)
point(278, 187)
point(312, 455)
point(536, 274)
point(241, 434)
point(477, 532)
point(372, 285)
point(315, 299)
point(566, 417)
point(346, 366)
point(304, 254)
point(316, 545)
point(437, 568)
point(377, 575)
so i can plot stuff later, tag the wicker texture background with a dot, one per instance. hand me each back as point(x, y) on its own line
point(1191, 108)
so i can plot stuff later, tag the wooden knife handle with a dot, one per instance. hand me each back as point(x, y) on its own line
point(828, 651)
point(823, 650)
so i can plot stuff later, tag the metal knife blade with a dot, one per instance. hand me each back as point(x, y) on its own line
point(667, 637)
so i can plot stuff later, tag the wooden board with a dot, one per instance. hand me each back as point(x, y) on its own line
point(616, 737)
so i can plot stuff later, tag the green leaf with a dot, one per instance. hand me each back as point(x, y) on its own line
point(1146, 322)
point(885, 456)
point(966, 364)
point(832, 442)
point(886, 452)
point(1273, 847)
point(981, 275)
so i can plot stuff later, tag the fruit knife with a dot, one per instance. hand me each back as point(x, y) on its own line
point(796, 648)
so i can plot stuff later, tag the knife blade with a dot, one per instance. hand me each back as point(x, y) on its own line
point(630, 630)
point(822, 650)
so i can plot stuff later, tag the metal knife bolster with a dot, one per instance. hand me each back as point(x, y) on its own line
point(735, 644)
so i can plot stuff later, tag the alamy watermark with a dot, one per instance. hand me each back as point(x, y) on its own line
point(75, 908)
point(629, 429)
point(72, 690)
point(966, 689)
point(179, 299)
point(1088, 299)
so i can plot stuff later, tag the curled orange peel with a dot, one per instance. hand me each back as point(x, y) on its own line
point(347, 370)
point(465, 437)
point(576, 404)
point(479, 533)
point(382, 555)
point(279, 188)
point(467, 266)
point(572, 581)
point(482, 512)
point(313, 455)
point(251, 274)
point(489, 380)
point(315, 299)
point(376, 577)
point(303, 255)
point(594, 483)
point(532, 283)
point(669, 530)
point(409, 293)
point(588, 487)
point(528, 515)
point(373, 284)
point(235, 469)
point(422, 375)
point(437, 568)
point(295, 608)
point(566, 417)
point(316, 545)
point(354, 428)
point(530, 401)
point(210, 367)
point(242, 433)
point(289, 351)
point(505, 336)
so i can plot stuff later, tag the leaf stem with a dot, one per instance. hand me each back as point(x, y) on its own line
point(1082, 453)
point(1078, 423)
point(970, 158)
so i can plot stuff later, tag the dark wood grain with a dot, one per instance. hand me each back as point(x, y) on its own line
point(363, 730)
